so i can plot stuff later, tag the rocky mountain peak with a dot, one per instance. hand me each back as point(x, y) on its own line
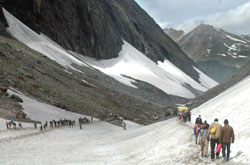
point(176, 35)
point(216, 50)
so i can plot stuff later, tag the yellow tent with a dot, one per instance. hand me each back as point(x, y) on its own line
point(182, 109)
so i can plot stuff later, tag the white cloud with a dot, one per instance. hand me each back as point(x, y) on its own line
point(235, 21)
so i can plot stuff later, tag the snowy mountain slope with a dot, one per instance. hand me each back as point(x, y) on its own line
point(96, 28)
point(134, 64)
point(130, 62)
point(40, 43)
point(44, 112)
point(233, 104)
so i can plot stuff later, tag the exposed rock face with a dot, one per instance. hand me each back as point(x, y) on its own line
point(16, 98)
point(3, 23)
point(96, 28)
point(176, 35)
point(3, 90)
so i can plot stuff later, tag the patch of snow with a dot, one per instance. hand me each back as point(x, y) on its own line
point(235, 39)
point(178, 74)
point(43, 112)
point(40, 43)
point(209, 51)
point(231, 48)
point(241, 56)
point(224, 55)
point(67, 71)
point(205, 80)
point(233, 105)
point(133, 63)
point(88, 83)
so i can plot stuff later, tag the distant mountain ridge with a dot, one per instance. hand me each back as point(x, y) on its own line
point(216, 52)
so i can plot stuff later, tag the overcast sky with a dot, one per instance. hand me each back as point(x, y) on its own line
point(231, 15)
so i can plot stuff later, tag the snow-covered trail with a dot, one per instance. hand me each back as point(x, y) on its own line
point(168, 142)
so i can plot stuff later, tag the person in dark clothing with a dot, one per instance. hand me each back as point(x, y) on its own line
point(185, 115)
point(198, 120)
point(189, 116)
point(35, 125)
point(207, 125)
point(227, 136)
point(124, 126)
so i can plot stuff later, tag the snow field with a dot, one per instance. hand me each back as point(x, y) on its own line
point(102, 143)
point(97, 143)
point(6, 134)
point(233, 105)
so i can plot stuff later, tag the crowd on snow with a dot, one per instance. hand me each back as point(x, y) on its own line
point(219, 137)
point(54, 124)
point(51, 124)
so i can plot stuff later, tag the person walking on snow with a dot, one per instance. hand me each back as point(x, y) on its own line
point(185, 115)
point(196, 132)
point(203, 140)
point(7, 125)
point(215, 132)
point(198, 120)
point(189, 115)
point(227, 136)
point(124, 126)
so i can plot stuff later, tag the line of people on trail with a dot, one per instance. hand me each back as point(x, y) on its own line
point(219, 137)
point(11, 124)
point(54, 124)
point(185, 116)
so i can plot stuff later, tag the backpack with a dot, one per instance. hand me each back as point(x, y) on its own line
point(213, 130)
point(185, 115)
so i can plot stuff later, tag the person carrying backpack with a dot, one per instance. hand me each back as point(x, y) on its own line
point(215, 132)
point(185, 115)
point(227, 136)
point(198, 120)
point(203, 140)
point(196, 132)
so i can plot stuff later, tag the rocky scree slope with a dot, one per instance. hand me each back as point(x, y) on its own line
point(216, 52)
point(96, 28)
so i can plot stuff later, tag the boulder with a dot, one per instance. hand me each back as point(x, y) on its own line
point(3, 90)
point(16, 98)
